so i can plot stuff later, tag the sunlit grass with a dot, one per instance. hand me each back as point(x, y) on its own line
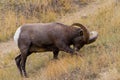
point(15, 13)
point(100, 58)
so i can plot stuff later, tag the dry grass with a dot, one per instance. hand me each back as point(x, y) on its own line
point(9, 24)
point(101, 60)
point(15, 13)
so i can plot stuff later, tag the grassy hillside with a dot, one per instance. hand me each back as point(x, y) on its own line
point(101, 60)
point(15, 13)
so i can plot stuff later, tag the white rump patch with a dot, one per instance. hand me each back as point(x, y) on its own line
point(16, 35)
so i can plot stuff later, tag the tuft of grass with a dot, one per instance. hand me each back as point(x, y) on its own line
point(60, 67)
point(8, 26)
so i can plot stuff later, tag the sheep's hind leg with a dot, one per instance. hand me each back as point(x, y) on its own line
point(23, 63)
point(18, 60)
point(24, 54)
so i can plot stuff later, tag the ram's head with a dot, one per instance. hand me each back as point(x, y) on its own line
point(85, 37)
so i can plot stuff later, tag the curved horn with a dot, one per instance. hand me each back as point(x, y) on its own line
point(85, 32)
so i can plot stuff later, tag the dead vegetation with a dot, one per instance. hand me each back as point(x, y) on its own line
point(101, 60)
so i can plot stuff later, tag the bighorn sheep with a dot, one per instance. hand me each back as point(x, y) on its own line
point(54, 37)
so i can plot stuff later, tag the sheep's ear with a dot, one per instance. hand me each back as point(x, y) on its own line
point(81, 32)
point(93, 37)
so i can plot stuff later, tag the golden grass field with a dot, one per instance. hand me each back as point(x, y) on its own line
point(101, 60)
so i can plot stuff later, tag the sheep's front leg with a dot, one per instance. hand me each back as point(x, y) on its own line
point(55, 53)
point(63, 47)
point(76, 52)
